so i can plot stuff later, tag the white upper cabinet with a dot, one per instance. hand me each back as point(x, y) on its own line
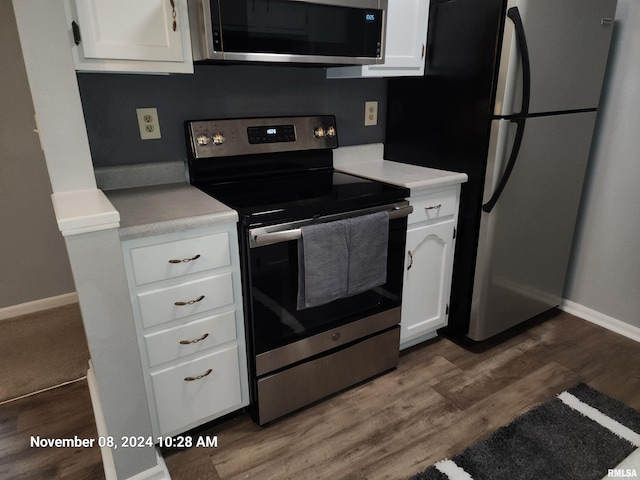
point(147, 36)
point(405, 45)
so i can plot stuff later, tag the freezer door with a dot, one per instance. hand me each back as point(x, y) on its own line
point(525, 241)
point(568, 44)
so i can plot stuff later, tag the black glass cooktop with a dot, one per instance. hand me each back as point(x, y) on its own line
point(266, 201)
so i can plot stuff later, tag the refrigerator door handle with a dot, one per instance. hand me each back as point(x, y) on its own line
point(487, 207)
point(519, 118)
point(514, 14)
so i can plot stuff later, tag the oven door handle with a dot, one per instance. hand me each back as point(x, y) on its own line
point(270, 238)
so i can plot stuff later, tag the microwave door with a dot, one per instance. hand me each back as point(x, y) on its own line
point(286, 31)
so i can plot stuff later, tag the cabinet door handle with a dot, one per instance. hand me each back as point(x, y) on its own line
point(195, 340)
point(185, 260)
point(410, 259)
point(433, 207)
point(173, 14)
point(190, 302)
point(75, 29)
point(199, 377)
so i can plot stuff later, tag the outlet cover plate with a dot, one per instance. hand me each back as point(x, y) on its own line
point(370, 113)
point(148, 123)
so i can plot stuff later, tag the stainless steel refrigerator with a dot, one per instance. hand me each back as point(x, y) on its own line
point(510, 97)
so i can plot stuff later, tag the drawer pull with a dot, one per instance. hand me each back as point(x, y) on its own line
point(190, 302)
point(188, 342)
point(199, 377)
point(433, 207)
point(185, 260)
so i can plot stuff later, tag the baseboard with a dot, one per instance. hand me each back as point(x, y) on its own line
point(159, 472)
point(38, 305)
point(605, 321)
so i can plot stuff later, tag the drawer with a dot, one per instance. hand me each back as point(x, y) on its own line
point(165, 345)
point(181, 403)
point(159, 306)
point(182, 257)
point(433, 206)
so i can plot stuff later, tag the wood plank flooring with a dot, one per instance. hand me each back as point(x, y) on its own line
point(59, 413)
point(441, 399)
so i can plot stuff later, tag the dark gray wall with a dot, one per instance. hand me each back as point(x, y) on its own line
point(217, 91)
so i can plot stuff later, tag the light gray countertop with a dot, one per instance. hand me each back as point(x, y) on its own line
point(367, 161)
point(169, 208)
point(173, 207)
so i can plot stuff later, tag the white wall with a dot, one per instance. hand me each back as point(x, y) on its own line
point(604, 275)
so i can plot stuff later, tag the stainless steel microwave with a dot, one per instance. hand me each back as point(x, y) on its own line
point(298, 31)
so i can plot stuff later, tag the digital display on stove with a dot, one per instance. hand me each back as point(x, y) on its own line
point(271, 134)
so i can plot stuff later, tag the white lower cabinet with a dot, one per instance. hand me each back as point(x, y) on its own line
point(185, 299)
point(428, 265)
point(201, 388)
point(190, 325)
point(190, 338)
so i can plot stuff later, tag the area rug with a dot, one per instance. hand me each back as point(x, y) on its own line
point(41, 350)
point(582, 434)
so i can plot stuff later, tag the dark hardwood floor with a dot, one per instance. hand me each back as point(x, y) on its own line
point(63, 412)
point(441, 399)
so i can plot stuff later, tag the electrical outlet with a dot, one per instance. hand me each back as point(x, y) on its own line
point(370, 113)
point(148, 123)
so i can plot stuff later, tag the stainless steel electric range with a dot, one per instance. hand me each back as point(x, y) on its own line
point(304, 226)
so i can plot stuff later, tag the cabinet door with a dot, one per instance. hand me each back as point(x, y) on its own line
point(427, 279)
point(121, 35)
point(405, 43)
point(406, 36)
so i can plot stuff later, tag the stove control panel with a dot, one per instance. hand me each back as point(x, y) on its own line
point(271, 134)
point(204, 139)
point(229, 137)
point(322, 132)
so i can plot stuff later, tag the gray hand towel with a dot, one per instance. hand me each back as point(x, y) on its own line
point(323, 264)
point(367, 242)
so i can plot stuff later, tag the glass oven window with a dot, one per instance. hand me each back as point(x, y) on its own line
point(299, 28)
point(274, 289)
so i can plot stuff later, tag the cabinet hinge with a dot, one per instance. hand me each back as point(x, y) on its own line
point(446, 310)
point(75, 28)
point(455, 232)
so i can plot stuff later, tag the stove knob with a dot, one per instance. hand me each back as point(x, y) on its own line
point(318, 132)
point(202, 139)
point(331, 132)
point(218, 138)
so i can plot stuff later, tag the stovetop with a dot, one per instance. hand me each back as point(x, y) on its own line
point(266, 201)
point(274, 170)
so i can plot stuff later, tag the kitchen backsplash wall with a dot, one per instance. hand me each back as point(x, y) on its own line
point(214, 91)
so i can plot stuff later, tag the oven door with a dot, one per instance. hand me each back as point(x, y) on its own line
point(282, 334)
point(316, 31)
